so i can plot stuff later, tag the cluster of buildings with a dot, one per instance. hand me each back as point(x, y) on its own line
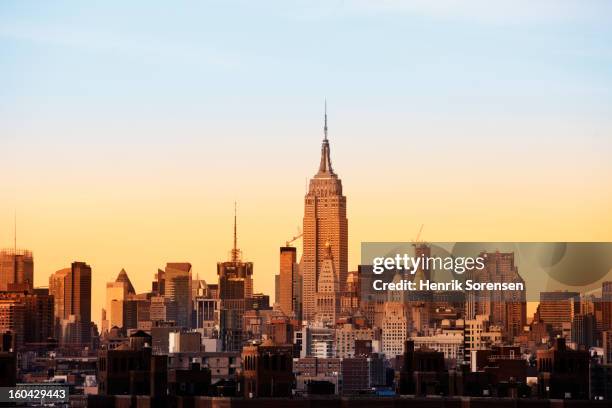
point(322, 334)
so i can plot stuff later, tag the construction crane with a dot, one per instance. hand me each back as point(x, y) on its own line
point(295, 238)
point(417, 240)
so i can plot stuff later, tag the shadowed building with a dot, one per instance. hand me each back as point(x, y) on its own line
point(71, 290)
point(267, 370)
point(288, 270)
point(131, 369)
point(177, 277)
point(563, 373)
point(606, 305)
point(8, 366)
point(37, 317)
point(12, 313)
point(423, 372)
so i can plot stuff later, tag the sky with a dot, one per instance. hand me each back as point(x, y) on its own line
point(127, 131)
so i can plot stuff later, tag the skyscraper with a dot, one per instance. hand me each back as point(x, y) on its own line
point(506, 309)
point(235, 286)
point(288, 270)
point(178, 289)
point(37, 325)
point(117, 293)
point(12, 319)
point(235, 275)
point(71, 290)
point(606, 305)
point(16, 269)
point(324, 221)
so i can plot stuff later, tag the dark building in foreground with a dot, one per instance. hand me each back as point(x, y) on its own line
point(267, 370)
point(193, 381)
point(8, 368)
point(563, 373)
point(326, 401)
point(423, 372)
point(131, 369)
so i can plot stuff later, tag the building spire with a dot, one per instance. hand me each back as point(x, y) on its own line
point(15, 232)
point(325, 126)
point(325, 166)
point(235, 250)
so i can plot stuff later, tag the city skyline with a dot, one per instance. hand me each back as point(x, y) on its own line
point(141, 167)
point(98, 299)
point(173, 231)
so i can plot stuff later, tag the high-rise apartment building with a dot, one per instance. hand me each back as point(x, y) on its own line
point(71, 290)
point(324, 221)
point(16, 269)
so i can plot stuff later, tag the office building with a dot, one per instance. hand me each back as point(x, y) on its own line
point(16, 269)
point(324, 222)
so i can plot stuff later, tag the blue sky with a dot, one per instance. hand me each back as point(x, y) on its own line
point(230, 59)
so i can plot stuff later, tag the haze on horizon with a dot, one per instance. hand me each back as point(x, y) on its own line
point(127, 131)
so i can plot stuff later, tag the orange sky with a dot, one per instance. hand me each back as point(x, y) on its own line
point(139, 205)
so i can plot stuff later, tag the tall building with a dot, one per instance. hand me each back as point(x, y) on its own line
point(12, 319)
point(178, 289)
point(558, 307)
point(71, 290)
point(117, 293)
point(606, 305)
point(235, 287)
point(507, 309)
point(162, 309)
point(288, 270)
point(235, 275)
point(394, 329)
point(583, 332)
point(324, 221)
point(277, 288)
point(16, 269)
point(37, 324)
point(607, 346)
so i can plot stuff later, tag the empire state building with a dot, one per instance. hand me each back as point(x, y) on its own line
point(325, 225)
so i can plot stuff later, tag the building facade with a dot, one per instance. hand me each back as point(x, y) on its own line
point(324, 221)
